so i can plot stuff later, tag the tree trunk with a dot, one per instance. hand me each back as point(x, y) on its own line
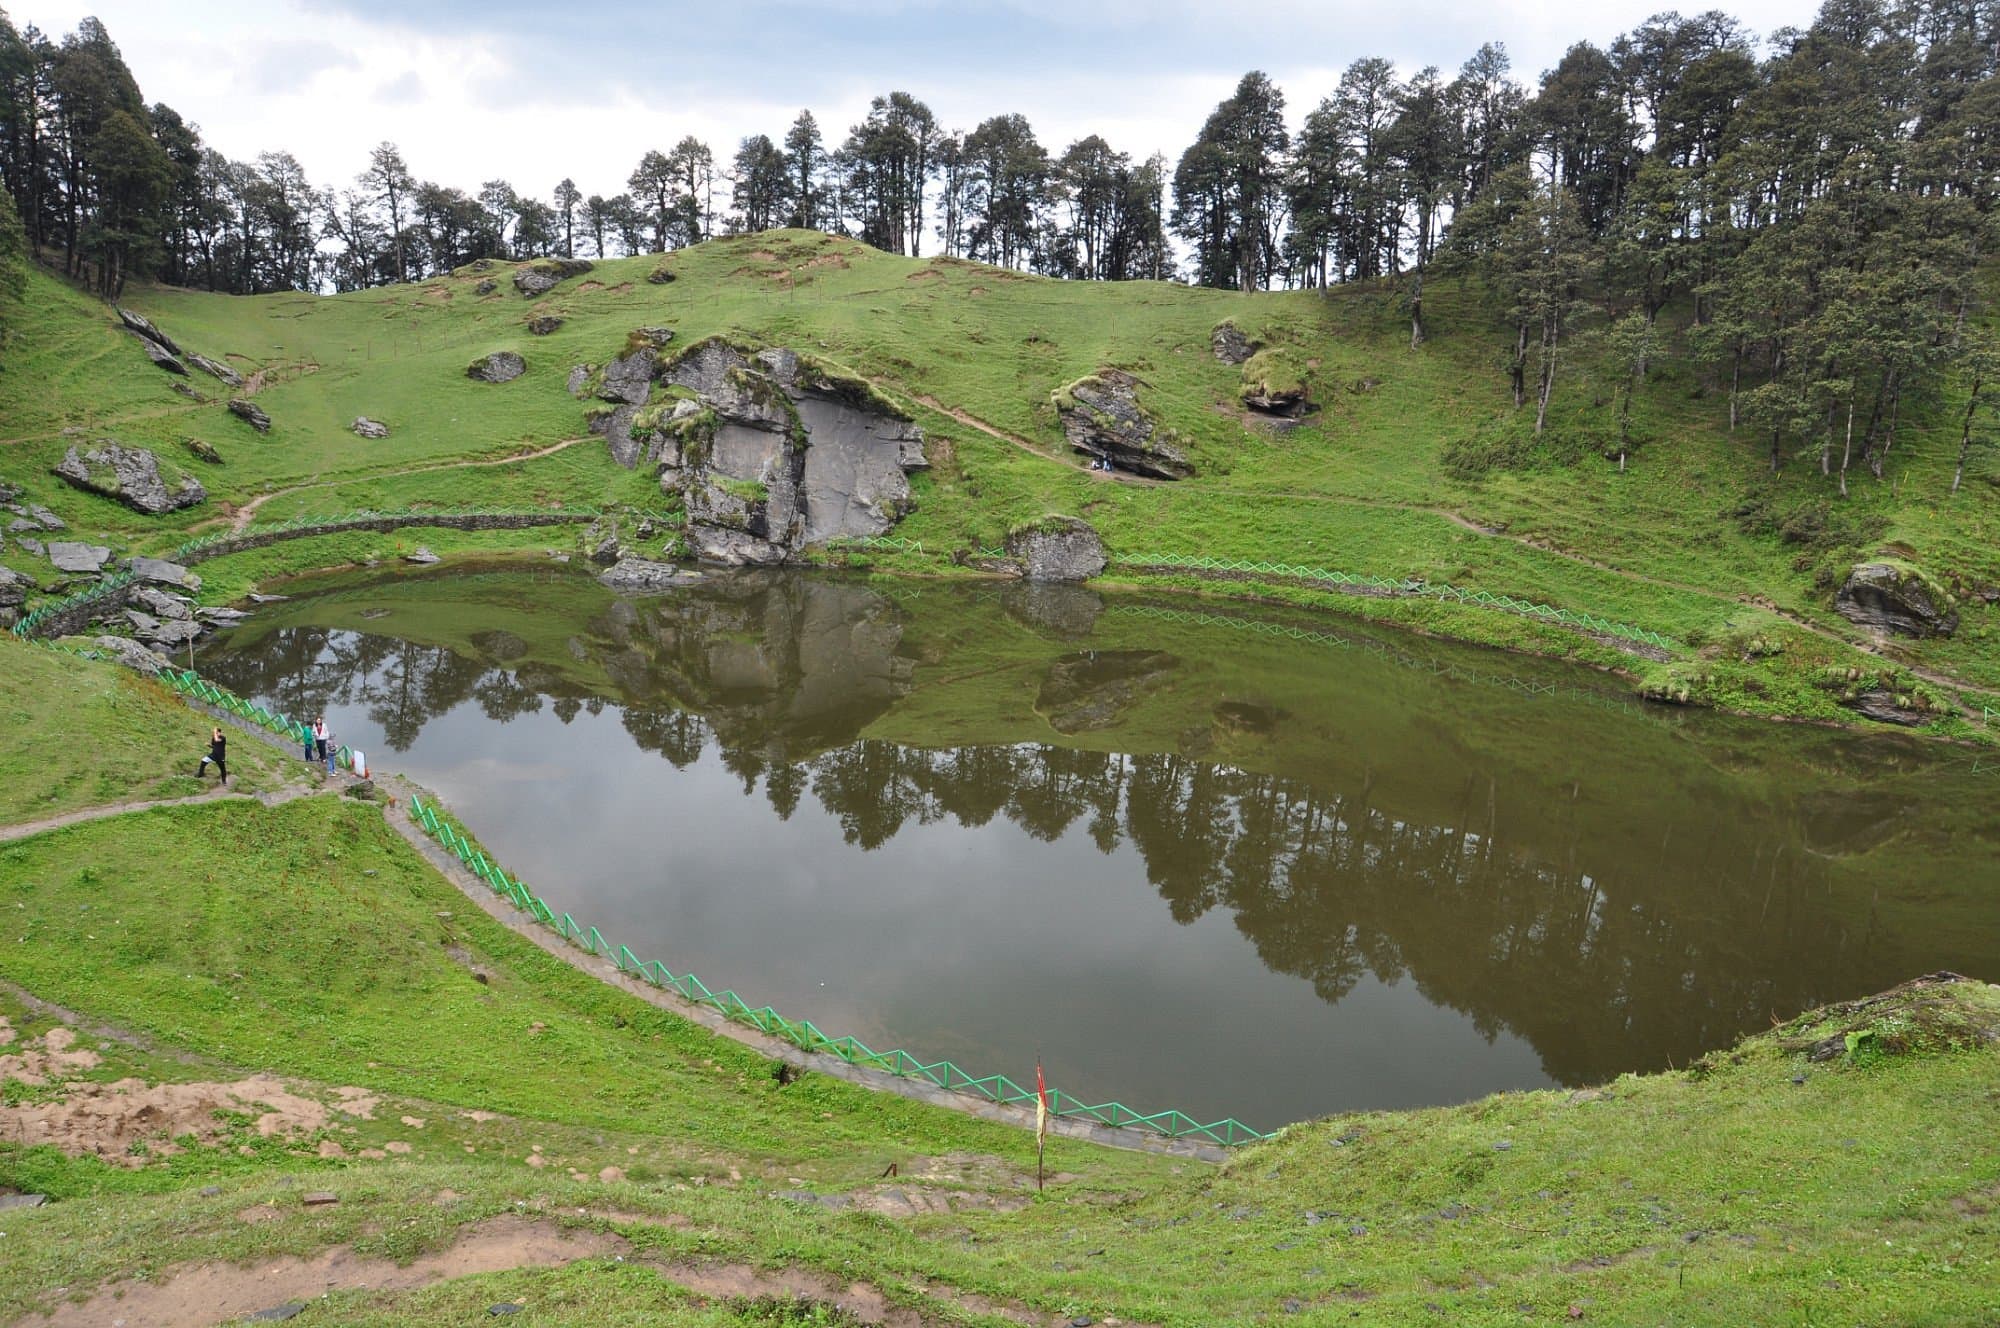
point(1847, 449)
point(1417, 311)
point(1965, 435)
point(1518, 370)
point(1881, 458)
point(1548, 375)
point(1735, 381)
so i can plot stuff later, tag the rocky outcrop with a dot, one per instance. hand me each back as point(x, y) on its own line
point(144, 327)
point(1102, 418)
point(644, 574)
point(202, 450)
point(74, 557)
point(251, 414)
point(132, 475)
point(160, 572)
point(1230, 345)
point(486, 287)
point(543, 324)
point(159, 603)
point(539, 278)
point(130, 653)
point(14, 590)
point(768, 451)
point(502, 366)
point(1274, 384)
point(1894, 597)
point(366, 428)
point(1057, 548)
point(216, 369)
point(163, 357)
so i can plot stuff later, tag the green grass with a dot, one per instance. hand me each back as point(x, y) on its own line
point(77, 737)
point(1679, 543)
point(1758, 1186)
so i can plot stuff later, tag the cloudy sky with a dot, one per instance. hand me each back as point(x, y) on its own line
point(529, 92)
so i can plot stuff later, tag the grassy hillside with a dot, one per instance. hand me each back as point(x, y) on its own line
point(456, 1089)
point(1415, 465)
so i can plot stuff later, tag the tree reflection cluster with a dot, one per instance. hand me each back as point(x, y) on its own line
point(1605, 956)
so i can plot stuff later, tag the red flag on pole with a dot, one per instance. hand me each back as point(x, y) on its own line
point(1041, 1119)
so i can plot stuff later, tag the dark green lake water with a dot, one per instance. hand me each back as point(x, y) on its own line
point(1216, 858)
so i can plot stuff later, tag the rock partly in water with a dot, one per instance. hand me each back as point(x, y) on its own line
point(1057, 548)
point(1887, 707)
point(216, 369)
point(73, 557)
point(146, 329)
point(1230, 345)
point(421, 556)
point(543, 276)
point(1894, 597)
point(250, 413)
point(163, 357)
point(543, 324)
point(768, 451)
point(366, 428)
point(502, 366)
point(132, 475)
point(1102, 418)
point(644, 574)
point(160, 572)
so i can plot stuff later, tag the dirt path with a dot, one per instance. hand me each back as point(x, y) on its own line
point(240, 521)
point(1015, 440)
point(196, 1295)
point(288, 793)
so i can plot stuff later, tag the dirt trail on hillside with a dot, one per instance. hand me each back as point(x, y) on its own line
point(971, 421)
point(243, 515)
point(278, 798)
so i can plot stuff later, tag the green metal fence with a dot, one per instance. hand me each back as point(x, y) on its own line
point(1398, 586)
point(802, 1033)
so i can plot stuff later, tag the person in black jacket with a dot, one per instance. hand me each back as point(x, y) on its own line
point(218, 752)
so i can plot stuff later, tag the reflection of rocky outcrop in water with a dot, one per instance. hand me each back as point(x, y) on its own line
point(1611, 936)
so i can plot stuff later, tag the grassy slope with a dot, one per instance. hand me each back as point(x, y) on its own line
point(1358, 488)
point(309, 940)
point(81, 737)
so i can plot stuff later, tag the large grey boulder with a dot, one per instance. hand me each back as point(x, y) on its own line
point(541, 277)
point(644, 574)
point(1102, 418)
point(132, 475)
point(158, 602)
point(14, 588)
point(143, 325)
point(366, 428)
point(130, 653)
point(1894, 597)
point(1057, 548)
point(250, 413)
point(1230, 345)
point(160, 572)
point(502, 366)
point(163, 357)
point(216, 369)
point(69, 556)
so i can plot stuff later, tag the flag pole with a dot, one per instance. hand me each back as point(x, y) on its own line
point(1041, 1120)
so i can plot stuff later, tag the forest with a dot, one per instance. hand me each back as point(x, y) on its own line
point(1813, 208)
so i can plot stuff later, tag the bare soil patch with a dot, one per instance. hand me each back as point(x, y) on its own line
point(129, 1123)
point(211, 1293)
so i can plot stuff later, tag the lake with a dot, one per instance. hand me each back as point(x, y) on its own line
point(1240, 861)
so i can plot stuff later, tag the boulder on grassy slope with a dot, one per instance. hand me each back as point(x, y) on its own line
point(1102, 418)
point(502, 366)
point(132, 475)
point(1057, 548)
point(1895, 597)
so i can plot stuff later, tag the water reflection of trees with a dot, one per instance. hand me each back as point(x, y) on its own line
point(1605, 958)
